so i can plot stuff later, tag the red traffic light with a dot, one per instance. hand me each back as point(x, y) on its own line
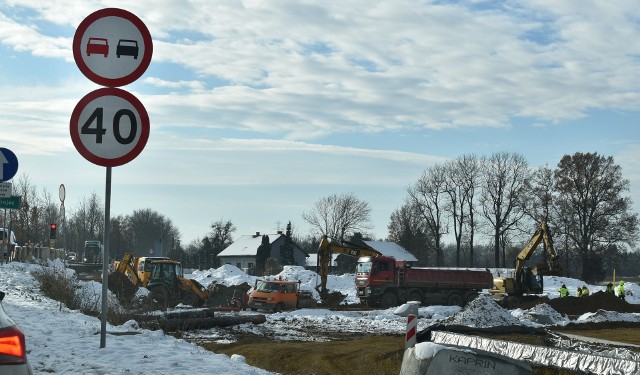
point(53, 226)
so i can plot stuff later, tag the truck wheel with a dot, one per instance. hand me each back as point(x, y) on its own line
point(414, 295)
point(455, 299)
point(278, 307)
point(388, 300)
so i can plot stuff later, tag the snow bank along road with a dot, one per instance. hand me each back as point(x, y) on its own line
point(64, 341)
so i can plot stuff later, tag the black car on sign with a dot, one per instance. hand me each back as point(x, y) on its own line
point(13, 349)
point(127, 47)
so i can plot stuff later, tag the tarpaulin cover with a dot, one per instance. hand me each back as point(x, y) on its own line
point(543, 356)
point(597, 348)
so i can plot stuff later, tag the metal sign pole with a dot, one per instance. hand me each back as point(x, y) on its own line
point(5, 235)
point(105, 260)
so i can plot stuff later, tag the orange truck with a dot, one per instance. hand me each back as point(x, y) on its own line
point(278, 295)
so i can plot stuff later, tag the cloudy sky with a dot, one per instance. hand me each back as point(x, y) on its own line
point(260, 108)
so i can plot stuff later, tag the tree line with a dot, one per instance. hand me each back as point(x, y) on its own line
point(582, 200)
point(473, 211)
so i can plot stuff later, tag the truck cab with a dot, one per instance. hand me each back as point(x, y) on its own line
point(372, 274)
point(276, 295)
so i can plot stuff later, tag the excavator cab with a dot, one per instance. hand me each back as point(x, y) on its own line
point(168, 286)
point(531, 282)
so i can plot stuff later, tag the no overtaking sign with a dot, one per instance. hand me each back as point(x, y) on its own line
point(112, 47)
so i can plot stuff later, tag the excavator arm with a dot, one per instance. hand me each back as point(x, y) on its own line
point(552, 265)
point(126, 267)
point(326, 248)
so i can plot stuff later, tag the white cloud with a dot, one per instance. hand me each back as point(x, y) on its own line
point(192, 85)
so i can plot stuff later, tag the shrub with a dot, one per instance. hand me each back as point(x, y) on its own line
point(55, 284)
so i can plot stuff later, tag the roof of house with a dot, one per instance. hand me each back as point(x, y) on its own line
point(387, 248)
point(392, 249)
point(247, 245)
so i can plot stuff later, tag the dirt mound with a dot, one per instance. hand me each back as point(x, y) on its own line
point(120, 285)
point(592, 303)
point(333, 300)
point(221, 295)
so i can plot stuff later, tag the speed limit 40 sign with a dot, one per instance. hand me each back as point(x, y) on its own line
point(109, 127)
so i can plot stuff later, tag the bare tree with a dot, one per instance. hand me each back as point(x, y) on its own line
point(590, 196)
point(539, 199)
point(428, 195)
point(471, 170)
point(505, 176)
point(460, 179)
point(220, 238)
point(27, 216)
point(338, 215)
point(149, 229)
point(407, 227)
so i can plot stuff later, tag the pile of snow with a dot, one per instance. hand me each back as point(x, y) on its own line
point(542, 314)
point(63, 341)
point(483, 312)
point(226, 275)
point(608, 316)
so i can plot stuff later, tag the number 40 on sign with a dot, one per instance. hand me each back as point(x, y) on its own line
point(109, 127)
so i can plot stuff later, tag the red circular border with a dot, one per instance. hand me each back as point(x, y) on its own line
point(112, 12)
point(74, 126)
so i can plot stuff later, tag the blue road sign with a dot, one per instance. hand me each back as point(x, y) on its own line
point(8, 164)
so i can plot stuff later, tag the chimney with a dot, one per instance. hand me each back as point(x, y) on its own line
point(257, 235)
point(279, 232)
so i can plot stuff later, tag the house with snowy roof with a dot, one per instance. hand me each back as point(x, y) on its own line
point(242, 253)
point(386, 248)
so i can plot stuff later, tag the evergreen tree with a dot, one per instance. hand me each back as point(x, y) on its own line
point(287, 248)
point(263, 253)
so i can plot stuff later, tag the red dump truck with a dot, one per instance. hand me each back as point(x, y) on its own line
point(383, 281)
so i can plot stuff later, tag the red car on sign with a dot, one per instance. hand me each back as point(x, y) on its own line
point(99, 46)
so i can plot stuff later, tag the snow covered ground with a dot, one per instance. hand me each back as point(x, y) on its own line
point(63, 341)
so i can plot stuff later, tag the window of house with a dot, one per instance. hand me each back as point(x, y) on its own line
point(250, 265)
point(239, 265)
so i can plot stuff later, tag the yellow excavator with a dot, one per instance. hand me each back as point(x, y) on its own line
point(527, 281)
point(164, 278)
point(326, 248)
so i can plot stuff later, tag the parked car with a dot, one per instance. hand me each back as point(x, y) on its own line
point(13, 349)
point(71, 256)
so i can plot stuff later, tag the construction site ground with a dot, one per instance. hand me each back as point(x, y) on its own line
point(352, 353)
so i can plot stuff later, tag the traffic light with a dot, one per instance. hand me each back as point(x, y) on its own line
point(52, 233)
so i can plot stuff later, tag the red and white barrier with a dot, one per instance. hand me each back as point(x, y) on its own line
point(412, 327)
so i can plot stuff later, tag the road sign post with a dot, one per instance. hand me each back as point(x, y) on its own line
point(110, 127)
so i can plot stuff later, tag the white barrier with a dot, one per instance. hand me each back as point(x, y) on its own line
point(412, 326)
point(35, 253)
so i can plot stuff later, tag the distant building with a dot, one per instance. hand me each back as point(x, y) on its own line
point(242, 253)
point(387, 248)
point(392, 249)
